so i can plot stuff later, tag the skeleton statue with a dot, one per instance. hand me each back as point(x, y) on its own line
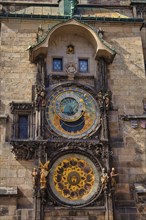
point(113, 176)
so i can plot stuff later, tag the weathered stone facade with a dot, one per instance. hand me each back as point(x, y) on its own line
point(124, 49)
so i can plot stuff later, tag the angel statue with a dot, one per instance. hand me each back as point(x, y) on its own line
point(43, 174)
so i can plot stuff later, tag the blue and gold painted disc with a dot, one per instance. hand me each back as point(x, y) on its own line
point(72, 112)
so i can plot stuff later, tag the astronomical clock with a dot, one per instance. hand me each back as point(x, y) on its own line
point(73, 117)
point(66, 123)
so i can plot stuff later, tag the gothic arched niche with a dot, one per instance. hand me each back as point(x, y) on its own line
point(84, 48)
point(101, 48)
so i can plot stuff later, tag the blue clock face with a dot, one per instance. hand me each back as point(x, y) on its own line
point(72, 112)
point(69, 106)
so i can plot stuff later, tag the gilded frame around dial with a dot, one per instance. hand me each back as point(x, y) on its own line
point(72, 112)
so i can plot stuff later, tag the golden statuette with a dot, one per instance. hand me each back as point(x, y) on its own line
point(43, 174)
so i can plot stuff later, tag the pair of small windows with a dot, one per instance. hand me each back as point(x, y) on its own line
point(58, 65)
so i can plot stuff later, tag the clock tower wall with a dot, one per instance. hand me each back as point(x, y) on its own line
point(126, 80)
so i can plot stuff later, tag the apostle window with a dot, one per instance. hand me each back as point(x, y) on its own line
point(57, 64)
point(83, 65)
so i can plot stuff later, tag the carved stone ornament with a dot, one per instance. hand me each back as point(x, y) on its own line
point(40, 34)
point(141, 8)
point(100, 32)
point(71, 70)
point(27, 150)
point(23, 106)
point(40, 95)
point(70, 49)
point(10, 7)
point(95, 149)
point(104, 100)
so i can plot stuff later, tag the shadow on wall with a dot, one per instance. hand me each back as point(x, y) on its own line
point(25, 197)
point(127, 73)
point(131, 60)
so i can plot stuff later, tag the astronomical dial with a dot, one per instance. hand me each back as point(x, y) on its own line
point(69, 106)
point(72, 113)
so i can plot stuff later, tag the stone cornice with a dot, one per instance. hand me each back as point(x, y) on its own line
point(65, 18)
point(133, 117)
point(20, 106)
point(81, 3)
point(8, 191)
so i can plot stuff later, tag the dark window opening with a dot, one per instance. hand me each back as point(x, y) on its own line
point(23, 126)
point(57, 64)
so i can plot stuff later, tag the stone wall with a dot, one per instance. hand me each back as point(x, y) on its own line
point(17, 77)
point(70, 214)
point(126, 81)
